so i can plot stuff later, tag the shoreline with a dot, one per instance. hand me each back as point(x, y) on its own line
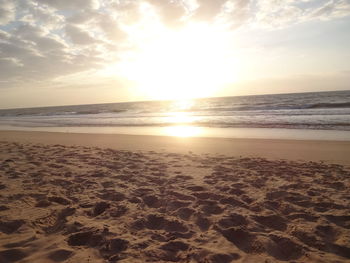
point(337, 152)
point(198, 132)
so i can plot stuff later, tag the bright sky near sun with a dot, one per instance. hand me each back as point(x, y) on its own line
point(94, 51)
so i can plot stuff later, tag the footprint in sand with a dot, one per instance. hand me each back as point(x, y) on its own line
point(207, 195)
point(99, 208)
point(272, 221)
point(4, 208)
point(113, 246)
point(224, 258)
point(152, 201)
point(243, 239)
point(174, 205)
point(112, 196)
point(185, 213)
point(21, 243)
point(58, 200)
point(212, 209)
point(118, 211)
point(12, 255)
point(9, 227)
point(306, 217)
point(175, 246)
point(43, 203)
point(284, 249)
point(203, 223)
point(158, 222)
point(60, 255)
point(232, 221)
point(326, 232)
point(88, 238)
point(342, 221)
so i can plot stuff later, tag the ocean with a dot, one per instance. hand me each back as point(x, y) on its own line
point(317, 111)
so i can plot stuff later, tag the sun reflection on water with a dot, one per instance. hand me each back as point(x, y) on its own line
point(180, 113)
point(184, 104)
point(182, 120)
point(183, 131)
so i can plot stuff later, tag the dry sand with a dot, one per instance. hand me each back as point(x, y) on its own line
point(62, 199)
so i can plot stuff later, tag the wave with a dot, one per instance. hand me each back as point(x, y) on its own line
point(329, 105)
point(60, 113)
point(339, 126)
point(270, 107)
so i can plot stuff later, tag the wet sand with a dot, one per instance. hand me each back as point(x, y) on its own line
point(113, 198)
point(303, 150)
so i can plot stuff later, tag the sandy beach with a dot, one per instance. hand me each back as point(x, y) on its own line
point(335, 152)
point(190, 131)
point(123, 198)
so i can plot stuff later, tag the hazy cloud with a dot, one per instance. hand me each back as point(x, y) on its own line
point(170, 12)
point(236, 13)
point(55, 38)
point(71, 4)
point(208, 9)
point(332, 9)
point(82, 17)
point(7, 11)
point(78, 35)
point(279, 13)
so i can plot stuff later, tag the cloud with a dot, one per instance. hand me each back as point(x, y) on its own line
point(8, 67)
point(40, 15)
point(279, 14)
point(236, 13)
point(30, 53)
point(111, 29)
point(170, 12)
point(330, 10)
point(48, 42)
point(278, 17)
point(4, 35)
point(71, 4)
point(85, 16)
point(79, 36)
point(44, 39)
point(208, 9)
point(7, 11)
point(37, 39)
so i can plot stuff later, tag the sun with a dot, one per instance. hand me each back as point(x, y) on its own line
point(181, 64)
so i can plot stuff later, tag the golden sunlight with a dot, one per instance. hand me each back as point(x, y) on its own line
point(187, 63)
point(180, 117)
point(183, 131)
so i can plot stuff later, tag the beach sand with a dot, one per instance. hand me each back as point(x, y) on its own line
point(121, 198)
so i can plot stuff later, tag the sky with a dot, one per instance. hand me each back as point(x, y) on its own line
point(95, 51)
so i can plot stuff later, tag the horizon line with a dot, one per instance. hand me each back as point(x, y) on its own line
point(165, 100)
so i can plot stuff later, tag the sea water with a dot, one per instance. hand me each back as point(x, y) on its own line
point(326, 114)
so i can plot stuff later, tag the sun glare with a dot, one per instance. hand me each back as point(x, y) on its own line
point(180, 117)
point(180, 64)
point(183, 131)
